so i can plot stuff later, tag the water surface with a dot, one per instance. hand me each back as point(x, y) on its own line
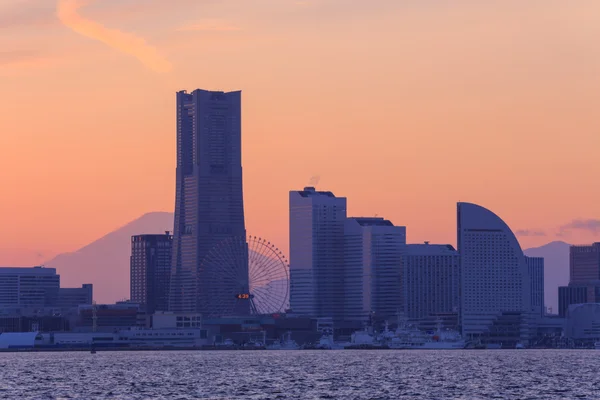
point(500, 374)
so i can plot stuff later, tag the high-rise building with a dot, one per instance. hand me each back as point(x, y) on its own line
point(317, 253)
point(150, 269)
point(208, 202)
point(569, 295)
point(536, 275)
point(494, 274)
point(372, 273)
point(431, 280)
point(584, 265)
point(584, 278)
point(29, 287)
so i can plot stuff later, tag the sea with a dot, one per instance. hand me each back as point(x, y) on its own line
point(343, 374)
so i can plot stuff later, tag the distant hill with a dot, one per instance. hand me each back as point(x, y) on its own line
point(556, 269)
point(105, 262)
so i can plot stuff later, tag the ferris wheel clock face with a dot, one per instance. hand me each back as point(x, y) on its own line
point(244, 275)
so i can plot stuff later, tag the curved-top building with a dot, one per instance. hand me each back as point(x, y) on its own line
point(495, 279)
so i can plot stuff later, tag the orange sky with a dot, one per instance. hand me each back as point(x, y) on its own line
point(405, 107)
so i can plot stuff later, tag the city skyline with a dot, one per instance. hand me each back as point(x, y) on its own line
point(487, 137)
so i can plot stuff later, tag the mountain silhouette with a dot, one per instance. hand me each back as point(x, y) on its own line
point(105, 262)
point(556, 269)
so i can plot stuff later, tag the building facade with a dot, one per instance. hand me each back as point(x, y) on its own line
point(572, 294)
point(372, 274)
point(431, 280)
point(317, 221)
point(74, 297)
point(584, 264)
point(208, 201)
point(29, 287)
point(150, 269)
point(536, 274)
point(494, 273)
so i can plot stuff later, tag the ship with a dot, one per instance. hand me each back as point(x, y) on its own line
point(408, 337)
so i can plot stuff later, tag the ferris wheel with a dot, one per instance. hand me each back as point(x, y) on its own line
point(241, 276)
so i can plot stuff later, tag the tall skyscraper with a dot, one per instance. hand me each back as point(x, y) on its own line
point(584, 277)
point(494, 273)
point(536, 274)
point(431, 280)
point(317, 253)
point(373, 249)
point(584, 265)
point(209, 204)
point(150, 269)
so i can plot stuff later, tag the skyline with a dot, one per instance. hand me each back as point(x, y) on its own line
point(457, 115)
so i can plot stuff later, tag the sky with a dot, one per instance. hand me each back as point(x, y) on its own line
point(404, 107)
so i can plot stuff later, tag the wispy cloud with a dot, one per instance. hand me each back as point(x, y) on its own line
point(67, 11)
point(213, 25)
point(529, 232)
point(589, 225)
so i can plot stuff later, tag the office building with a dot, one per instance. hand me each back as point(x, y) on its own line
point(584, 278)
point(74, 297)
point(569, 295)
point(431, 280)
point(150, 268)
point(536, 274)
point(372, 274)
point(208, 201)
point(317, 221)
point(29, 287)
point(495, 278)
point(584, 265)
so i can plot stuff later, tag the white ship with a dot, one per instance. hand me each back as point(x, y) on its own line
point(410, 337)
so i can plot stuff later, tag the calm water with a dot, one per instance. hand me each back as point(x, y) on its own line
point(504, 374)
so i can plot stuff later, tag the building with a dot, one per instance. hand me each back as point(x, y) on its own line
point(569, 295)
point(536, 274)
point(431, 280)
point(584, 264)
point(108, 317)
point(317, 221)
point(74, 297)
point(208, 201)
point(583, 323)
point(495, 278)
point(372, 251)
point(29, 287)
point(150, 269)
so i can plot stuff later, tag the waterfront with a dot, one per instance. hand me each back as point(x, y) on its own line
point(506, 374)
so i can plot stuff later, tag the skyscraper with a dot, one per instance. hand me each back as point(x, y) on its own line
point(431, 280)
point(494, 273)
point(536, 274)
point(373, 249)
point(317, 253)
point(208, 201)
point(150, 269)
point(584, 277)
point(584, 263)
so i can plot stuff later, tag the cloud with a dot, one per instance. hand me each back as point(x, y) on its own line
point(210, 26)
point(67, 11)
point(528, 232)
point(589, 225)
